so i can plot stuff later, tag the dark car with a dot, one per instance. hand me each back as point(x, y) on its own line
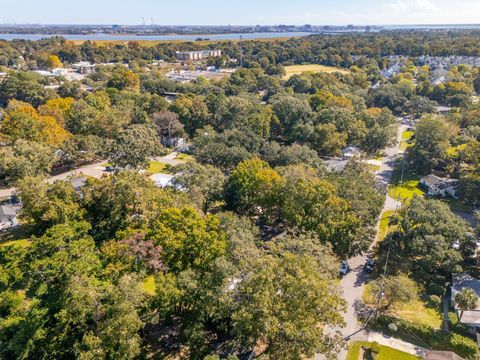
point(344, 268)
point(369, 265)
point(109, 168)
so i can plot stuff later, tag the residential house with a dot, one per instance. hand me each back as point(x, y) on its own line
point(438, 186)
point(162, 180)
point(350, 151)
point(83, 67)
point(469, 318)
point(8, 216)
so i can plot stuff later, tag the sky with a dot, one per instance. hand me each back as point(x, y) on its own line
point(241, 12)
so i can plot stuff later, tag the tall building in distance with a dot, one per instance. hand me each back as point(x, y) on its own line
point(197, 55)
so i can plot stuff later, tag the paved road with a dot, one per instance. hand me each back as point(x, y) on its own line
point(94, 170)
point(353, 283)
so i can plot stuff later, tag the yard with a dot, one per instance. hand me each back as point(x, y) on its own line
point(19, 236)
point(408, 188)
point(315, 68)
point(416, 311)
point(159, 168)
point(386, 353)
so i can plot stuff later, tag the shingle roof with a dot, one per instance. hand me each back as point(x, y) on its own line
point(7, 210)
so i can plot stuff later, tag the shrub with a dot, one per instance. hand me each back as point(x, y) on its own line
point(434, 301)
point(425, 335)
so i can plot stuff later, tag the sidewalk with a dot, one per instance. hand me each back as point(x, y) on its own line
point(397, 344)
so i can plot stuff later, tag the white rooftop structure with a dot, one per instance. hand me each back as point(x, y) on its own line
point(162, 180)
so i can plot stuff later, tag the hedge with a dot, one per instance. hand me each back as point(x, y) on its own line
point(424, 335)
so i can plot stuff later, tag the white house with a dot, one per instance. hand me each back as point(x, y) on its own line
point(162, 180)
point(350, 151)
point(470, 318)
point(8, 216)
point(438, 186)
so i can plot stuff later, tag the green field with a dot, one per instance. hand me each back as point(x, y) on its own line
point(315, 68)
point(386, 353)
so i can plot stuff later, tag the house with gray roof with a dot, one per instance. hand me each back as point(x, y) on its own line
point(462, 281)
point(439, 186)
point(8, 216)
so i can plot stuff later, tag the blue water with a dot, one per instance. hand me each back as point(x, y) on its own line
point(100, 36)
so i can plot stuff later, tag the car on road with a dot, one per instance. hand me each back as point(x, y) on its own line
point(344, 268)
point(369, 265)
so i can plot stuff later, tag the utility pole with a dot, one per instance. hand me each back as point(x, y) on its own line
point(241, 51)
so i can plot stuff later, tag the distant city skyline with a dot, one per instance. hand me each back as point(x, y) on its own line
point(247, 12)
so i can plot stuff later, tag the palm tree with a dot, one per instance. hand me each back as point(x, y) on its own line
point(466, 299)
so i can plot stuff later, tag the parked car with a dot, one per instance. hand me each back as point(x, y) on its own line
point(344, 268)
point(109, 168)
point(369, 265)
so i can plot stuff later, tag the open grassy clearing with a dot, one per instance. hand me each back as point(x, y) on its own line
point(386, 353)
point(184, 157)
point(315, 68)
point(159, 168)
point(408, 188)
point(415, 311)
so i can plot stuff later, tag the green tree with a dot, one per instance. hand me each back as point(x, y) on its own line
point(253, 187)
point(285, 304)
point(46, 205)
point(466, 299)
point(25, 158)
point(134, 147)
point(424, 241)
point(431, 143)
point(204, 184)
point(394, 290)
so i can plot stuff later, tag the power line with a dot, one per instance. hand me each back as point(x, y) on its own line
point(380, 292)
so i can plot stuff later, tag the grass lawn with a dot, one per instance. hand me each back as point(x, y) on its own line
point(148, 286)
point(407, 135)
point(384, 220)
point(386, 353)
point(416, 312)
point(299, 69)
point(158, 167)
point(184, 157)
point(408, 189)
point(20, 242)
point(19, 236)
